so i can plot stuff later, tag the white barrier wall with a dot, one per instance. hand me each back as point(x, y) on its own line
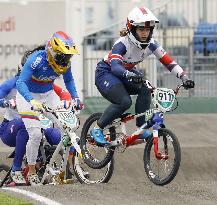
point(22, 27)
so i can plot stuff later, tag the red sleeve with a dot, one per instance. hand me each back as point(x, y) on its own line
point(63, 94)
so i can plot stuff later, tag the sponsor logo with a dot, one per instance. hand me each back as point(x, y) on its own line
point(12, 129)
point(151, 174)
point(106, 83)
point(41, 77)
point(8, 25)
point(36, 62)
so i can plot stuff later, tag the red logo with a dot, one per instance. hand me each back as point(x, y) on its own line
point(7, 25)
point(143, 10)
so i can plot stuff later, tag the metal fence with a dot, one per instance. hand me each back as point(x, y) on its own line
point(202, 69)
point(177, 38)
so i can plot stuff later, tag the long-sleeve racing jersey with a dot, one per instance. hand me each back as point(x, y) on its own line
point(37, 76)
point(8, 91)
point(125, 56)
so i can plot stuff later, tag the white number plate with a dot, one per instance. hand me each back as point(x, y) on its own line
point(165, 96)
point(68, 117)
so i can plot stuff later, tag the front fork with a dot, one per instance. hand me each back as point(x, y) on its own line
point(158, 121)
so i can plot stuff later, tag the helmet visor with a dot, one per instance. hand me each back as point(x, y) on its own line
point(146, 24)
point(62, 59)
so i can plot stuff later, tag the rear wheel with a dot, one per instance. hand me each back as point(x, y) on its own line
point(162, 171)
point(96, 156)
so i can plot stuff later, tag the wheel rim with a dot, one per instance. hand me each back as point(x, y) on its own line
point(94, 175)
point(161, 169)
point(95, 152)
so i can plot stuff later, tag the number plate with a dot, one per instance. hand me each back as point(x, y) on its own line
point(165, 98)
point(45, 122)
point(68, 118)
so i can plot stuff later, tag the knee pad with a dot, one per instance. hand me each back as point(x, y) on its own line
point(53, 136)
point(22, 135)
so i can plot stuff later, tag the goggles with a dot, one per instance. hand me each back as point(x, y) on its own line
point(62, 59)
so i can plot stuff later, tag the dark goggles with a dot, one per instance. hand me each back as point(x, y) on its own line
point(62, 59)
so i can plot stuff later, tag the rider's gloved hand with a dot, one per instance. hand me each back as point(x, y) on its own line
point(8, 103)
point(37, 106)
point(187, 83)
point(66, 104)
point(78, 104)
point(12, 103)
point(135, 78)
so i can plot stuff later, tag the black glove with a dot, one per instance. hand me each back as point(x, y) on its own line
point(133, 77)
point(187, 83)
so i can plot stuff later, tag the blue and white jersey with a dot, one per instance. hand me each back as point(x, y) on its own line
point(125, 56)
point(8, 91)
point(37, 76)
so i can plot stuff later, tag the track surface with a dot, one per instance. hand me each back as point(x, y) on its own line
point(195, 183)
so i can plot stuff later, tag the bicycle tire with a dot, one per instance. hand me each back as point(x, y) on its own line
point(165, 134)
point(103, 177)
point(90, 160)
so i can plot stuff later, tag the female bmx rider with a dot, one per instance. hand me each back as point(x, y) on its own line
point(35, 86)
point(117, 77)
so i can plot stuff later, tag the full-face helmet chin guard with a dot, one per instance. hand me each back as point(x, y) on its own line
point(140, 17)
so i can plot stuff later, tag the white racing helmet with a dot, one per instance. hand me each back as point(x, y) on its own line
point(140, 17)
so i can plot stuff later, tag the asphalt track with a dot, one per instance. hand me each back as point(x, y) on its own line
point(195, 183)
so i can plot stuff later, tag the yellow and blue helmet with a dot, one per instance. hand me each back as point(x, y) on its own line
point(60, 48)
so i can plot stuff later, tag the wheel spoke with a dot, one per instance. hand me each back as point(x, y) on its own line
point(163, 170)
point(98, 156)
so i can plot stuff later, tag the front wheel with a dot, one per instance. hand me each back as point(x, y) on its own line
point(162, 171)
point(87, 175)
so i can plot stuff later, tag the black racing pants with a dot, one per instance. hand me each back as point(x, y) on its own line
point(119, 96)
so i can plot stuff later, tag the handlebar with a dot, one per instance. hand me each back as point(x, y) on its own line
point(50, 110)
point(62, 118)
point(176, 90)
point(152, 88)
point(53, 111)
point(9, 103)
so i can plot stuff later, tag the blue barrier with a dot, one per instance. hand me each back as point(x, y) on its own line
point(205, 38)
